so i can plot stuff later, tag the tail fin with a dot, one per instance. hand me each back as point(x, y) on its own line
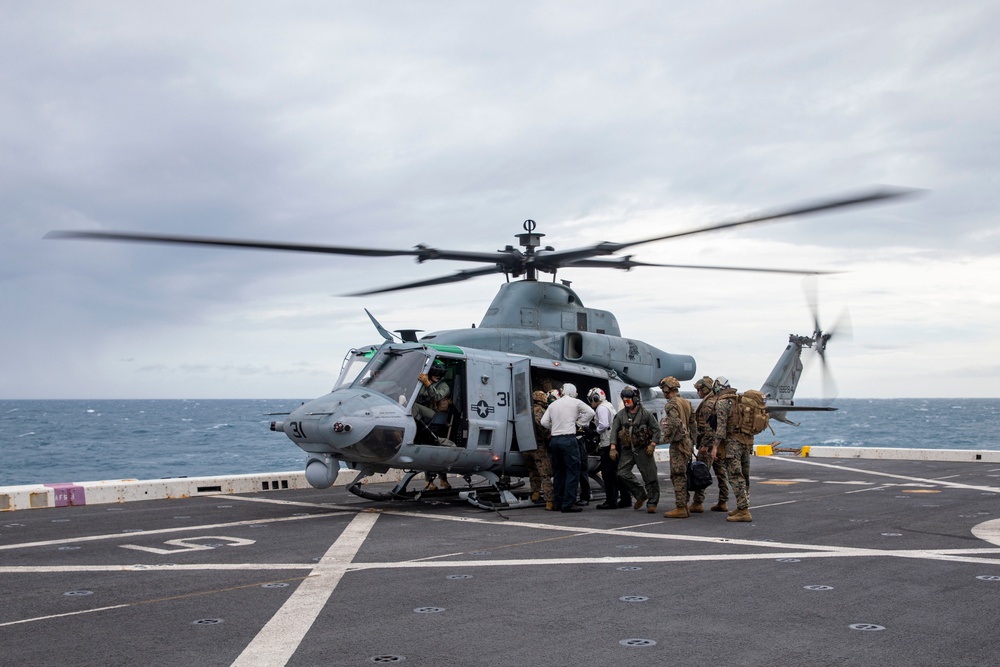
point(784, 379)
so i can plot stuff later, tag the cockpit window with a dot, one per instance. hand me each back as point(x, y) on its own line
point(393, 373)
point(354, 363)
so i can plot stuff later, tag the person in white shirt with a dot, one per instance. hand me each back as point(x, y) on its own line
point(563, 418)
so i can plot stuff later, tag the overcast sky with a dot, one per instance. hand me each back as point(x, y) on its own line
point(390, 124)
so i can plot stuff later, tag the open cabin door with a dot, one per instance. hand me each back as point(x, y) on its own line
point(524, 421)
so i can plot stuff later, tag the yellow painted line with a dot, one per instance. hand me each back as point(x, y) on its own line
point(921, 491)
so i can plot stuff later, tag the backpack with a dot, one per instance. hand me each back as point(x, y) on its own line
point(699, 476)
point(749, 416)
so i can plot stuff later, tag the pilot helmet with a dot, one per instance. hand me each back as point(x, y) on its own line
point(596, 395)
point(554, 395)
point(630, 396)
point(720, 383)
point(437, 369)
point(669, 383)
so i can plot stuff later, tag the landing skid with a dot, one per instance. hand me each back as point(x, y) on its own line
point(400, 491)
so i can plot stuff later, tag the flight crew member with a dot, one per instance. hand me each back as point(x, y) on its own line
point(634, 433)
point(615, 494)
point(539, 462)
point(737, 447)
point(678, 428)
point(434, 395)
point(563, 418)
point(706, 434)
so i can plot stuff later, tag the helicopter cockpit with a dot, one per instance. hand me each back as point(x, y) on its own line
point(394, 371)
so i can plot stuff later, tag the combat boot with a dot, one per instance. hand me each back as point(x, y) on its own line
point(677, 513)
point(535, 496)
point(719, 507)
point(445, 485)
point(740, 515)
point(696, 508)
point(430, 487)
point(637, 505)
point(651, 509)
point(549, 507)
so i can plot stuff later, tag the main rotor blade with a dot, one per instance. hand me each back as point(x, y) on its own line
point(870, 197)
point(422, 253)
point(453, 278)
point(626, 263)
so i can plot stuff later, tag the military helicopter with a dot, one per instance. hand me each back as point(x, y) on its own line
point(534, 334)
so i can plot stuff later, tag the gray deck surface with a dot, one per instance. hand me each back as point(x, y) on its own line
point(847, 562)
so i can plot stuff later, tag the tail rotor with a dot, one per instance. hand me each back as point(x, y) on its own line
point(842, 330)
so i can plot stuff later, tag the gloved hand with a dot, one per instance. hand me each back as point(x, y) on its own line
point(650, 448)
point(613, 454)
point(424, 379)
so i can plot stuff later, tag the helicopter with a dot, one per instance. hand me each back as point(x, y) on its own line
point(535, 334)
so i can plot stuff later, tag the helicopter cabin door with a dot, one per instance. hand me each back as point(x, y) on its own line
point(524, 421)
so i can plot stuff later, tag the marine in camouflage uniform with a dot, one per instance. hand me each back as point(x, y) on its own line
point(678, 428)
point(538, 462)
point(635, 433)
point(737, 447)
point(706, 434)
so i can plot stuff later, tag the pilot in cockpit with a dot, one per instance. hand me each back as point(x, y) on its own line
point(435, 394)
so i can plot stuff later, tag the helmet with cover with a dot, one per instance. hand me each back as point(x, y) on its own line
point(596, 395)
point(705, 383)
point(669, 383)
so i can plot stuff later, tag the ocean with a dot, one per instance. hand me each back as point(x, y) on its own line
point(91, 440)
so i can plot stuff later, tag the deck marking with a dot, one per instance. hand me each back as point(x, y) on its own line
point(136, 604)
point(956, 555)
point(162, 531)
point(988, 531)
point(275, 644)
point(957, 485)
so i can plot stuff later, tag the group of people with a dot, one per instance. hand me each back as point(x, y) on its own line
point(628, 439)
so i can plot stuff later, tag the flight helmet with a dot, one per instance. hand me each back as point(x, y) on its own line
point(437, 369)
point(630, 396)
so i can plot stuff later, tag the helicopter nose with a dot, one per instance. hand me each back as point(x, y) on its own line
point(350, 425)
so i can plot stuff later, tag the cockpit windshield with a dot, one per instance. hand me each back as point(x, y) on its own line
point(393, 372)
point(354, 363)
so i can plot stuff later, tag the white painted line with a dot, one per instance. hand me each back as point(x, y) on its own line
point(958, 555)
point(786, 502)
point(69, 613)
point(275, 644)
point(956, 485)
point(162, 531)
point(193, 567)
point(857, 483)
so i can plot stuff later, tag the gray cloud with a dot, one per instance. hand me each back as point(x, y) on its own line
point(449, 124)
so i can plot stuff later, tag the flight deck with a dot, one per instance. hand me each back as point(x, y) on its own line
point(864, 562)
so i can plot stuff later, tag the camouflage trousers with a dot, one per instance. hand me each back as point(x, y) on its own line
point(680, 456)
point(630, 457)
point(718, 466)
point(539, 466)
point(738, 470)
